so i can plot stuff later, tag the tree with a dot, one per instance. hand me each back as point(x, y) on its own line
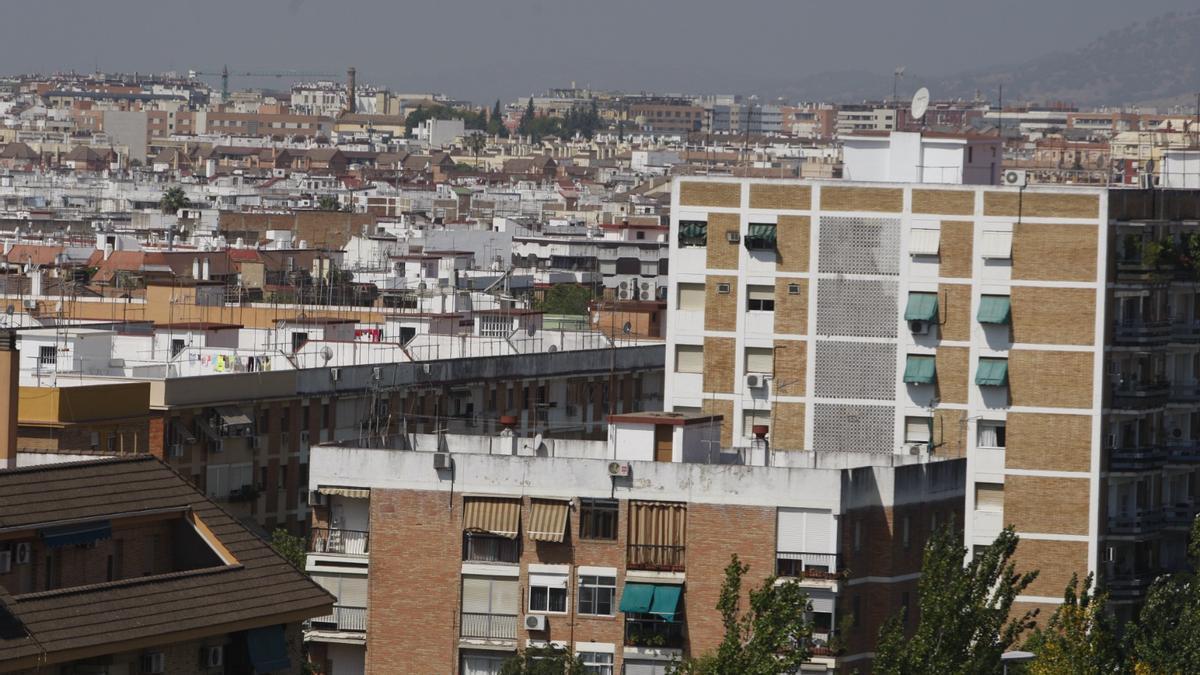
point(527, 119)
point(542, 661)
point(772, 637)
point(1166, 636)
point(476, 143)
point(173, 199)
point(1080, 638)
point(965, 622)
point(291, 547)
point(566, 299)
point(328, 203)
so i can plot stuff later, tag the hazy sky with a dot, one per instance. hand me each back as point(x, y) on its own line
point(484, 49)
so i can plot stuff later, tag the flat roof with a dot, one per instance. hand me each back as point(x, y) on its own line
point(657, 417)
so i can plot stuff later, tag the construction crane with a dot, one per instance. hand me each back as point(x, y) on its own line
point(225, 74)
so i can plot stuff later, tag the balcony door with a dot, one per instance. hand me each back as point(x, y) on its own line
point(663, 434)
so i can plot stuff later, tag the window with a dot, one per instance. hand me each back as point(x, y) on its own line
point(989, 497)
point(760, 299)
point(858, 535)
point(905, 540)
point(991, 435)
point(917, 429)
point(996, 244)
point(480, 547)
point(47, 355)
point(596, 594)
point(689, 359)
point(793, 289)
point(596, 663)
point(176, 347)
point(598, 519)
point(752, 417)
point(548, 593)
point(760, 360)
point(723, 289)
point(760, 237)
point(298, 340)
point(691, 297)
point(924, 241)
point(693, 233)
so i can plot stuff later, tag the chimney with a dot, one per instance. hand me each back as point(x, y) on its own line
point(10, 364)
point(350, 91)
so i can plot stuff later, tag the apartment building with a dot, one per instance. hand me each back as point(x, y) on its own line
point(118, 566)
point(900, 318)
point(449, 553)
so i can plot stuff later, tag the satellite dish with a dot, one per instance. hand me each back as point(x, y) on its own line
point(326, 353)
point(9, 310)
point(627, 328)
point(920, 103)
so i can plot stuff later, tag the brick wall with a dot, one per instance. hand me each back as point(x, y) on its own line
point(780, 196)
point(791, 311)
point(1050, 379)
point(1049, 442)
point(949, 432)
point(1055, 561)
point(725, 409)
point(1047, 252)
point(788, 426)
point(954, 312)
point(850, 198)
point(720, 309)
point(1062, 316)
point(1046, 505)
point(1040, 205)
point(706, 193)
point(955, 252)
point(721, 253)
point(793, 235)
point(791, 359)
point(719, 364)
point(946, 202)
point(953, 368)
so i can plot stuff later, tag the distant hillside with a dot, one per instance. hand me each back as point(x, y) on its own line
point(1152, 62)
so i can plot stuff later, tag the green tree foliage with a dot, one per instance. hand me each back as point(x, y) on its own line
point(1079, 638)
point(328, 203)
point(173, 199)
point(965, 622)
point(772, 637)
point(543, 661)
point(1166, 636)
point(291, 547)
point(495, 123)
point(475, 143)
point(566, 299)
point(470, 118)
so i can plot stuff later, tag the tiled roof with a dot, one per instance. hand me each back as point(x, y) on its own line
point(260, 589)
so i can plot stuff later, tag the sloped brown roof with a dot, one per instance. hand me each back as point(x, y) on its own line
point(18, 151)
point(261, 589)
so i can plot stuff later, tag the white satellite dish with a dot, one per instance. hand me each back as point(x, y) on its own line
point(920, 103)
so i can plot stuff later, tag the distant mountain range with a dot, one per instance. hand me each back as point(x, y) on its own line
point(1156, 62)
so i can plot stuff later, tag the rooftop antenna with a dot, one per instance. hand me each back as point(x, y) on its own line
point(920, 104)
point(899, 73)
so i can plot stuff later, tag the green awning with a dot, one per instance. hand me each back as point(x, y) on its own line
point(992, 372)
point(637, 598)
point(994, 309)
point(919, 369)
point(693, 230)
point(921, 307)
point(666, 601)
point(760, 235)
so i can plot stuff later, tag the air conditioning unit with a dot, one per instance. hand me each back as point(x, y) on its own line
point(29, 304)
point(919, 327)
point(334, 373)
point(316, 498)
point(915, 448)
point(645, 295)
point(793, 289)
point(442, 461)
point(24, 553)
point(535, 622)
point(733, 237)
point(1110, 441)
point(176, 450)
point(154, 663)
point(723, 288)
point(754, 381)
point(5, 562)
point(1013, 178)
point(377, 373)
point(212, 657)
point(618, 469)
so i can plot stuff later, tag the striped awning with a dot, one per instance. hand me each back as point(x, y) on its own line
point(353, 493)
point(548, 520)
point(495, 515)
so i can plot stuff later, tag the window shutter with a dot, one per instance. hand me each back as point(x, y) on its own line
point(354, 592)
point(504, 596)
point(790, 534)
point(689, 359)
point(818, 532)
point(476, 595)
point(996, 244)
point(760, 292)
point(691, 297)
point(760, 360)
point(989, 496)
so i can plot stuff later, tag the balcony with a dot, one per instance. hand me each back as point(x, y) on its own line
point(1134, 522)
point(825, 643)
point(803, 565)
point(336, 540)
point(490, 549)
point(1179, 515)
point(659, 558)
point(1136, 459)
point(1141, 331)
point(647, 630)
point(1186, 453)
point(1184, 330)
point(1125, 582)
point(343, 619)
point(1188, 392)
point(1134, 393)
point(489, 626)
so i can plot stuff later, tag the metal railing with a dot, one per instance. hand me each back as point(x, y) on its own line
point(337, 540)
point(1142, 328)
point(343, 618)
point(489, 548)
point(663, 558)
point(1135, 458)
point(643, 630)
point(1135, 521)
point(802, 564)
point(489, 626)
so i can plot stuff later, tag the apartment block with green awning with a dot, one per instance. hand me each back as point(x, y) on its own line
point(919, 369)
point(658, 599)
point(996, 309)
point(921, 307)
point(693, 233)
point(992, 372)
point(760, 236)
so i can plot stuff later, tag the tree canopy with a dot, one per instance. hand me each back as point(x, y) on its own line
point(291, 547)
point(1079, 638)
point(965, 620)
point(173, 199)
point(566, 299)
point(1165, 638)
point(470, 118)
point(542, 661)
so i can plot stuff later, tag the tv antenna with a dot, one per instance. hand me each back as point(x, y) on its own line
point(896, 75)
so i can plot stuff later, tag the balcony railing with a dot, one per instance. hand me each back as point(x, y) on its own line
point(489, 626)
point(806, 565)
point(1179, 515)
point(1141, 330)
point(1134, 522)
point(825, 643)
point(344, 618)
point(1183, 452)
point(644, 630)
point(662, 558)
point(336, 540)
point(488, 548)
point(1128, 582)
point(1136, 459)
point(1136, 393)
point(1185, 391)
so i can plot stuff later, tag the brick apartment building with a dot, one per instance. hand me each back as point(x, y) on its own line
point(118, 566)
point(467, 564)
point(1023, 328)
